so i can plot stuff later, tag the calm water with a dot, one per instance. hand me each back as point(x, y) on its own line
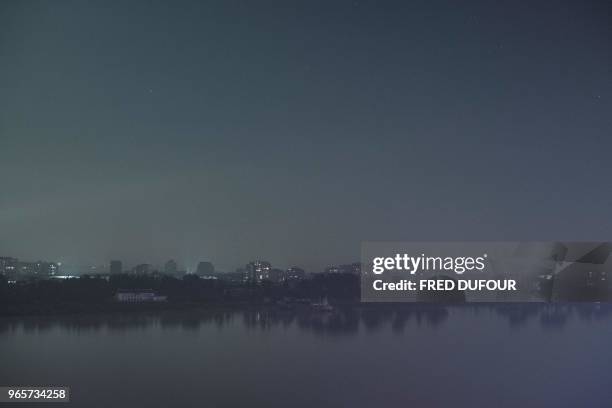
point(485, 356)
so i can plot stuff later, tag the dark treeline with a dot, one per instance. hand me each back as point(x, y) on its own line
point(48, 295)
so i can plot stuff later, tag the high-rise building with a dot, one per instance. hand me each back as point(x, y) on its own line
point(50, 269)
point(205, 268)
point(116, 267)
point(141, 269)
point(257, 271)
point(170, 267)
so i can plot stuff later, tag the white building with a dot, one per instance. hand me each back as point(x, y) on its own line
point(139, 296)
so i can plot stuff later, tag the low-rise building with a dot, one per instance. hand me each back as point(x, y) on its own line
point(139, 296)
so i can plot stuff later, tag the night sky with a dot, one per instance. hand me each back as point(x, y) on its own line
point(292, 131)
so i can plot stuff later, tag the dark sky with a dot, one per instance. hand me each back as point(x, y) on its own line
point(229, 131)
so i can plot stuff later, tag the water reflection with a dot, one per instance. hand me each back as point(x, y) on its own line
point(341, 322)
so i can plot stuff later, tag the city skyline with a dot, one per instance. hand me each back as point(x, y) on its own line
point(115, 266)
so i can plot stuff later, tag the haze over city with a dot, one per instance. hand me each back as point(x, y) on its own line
point(233, 131)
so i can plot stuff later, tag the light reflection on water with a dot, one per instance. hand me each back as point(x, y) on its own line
point(426, 355)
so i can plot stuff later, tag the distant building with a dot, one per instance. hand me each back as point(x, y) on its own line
point(354, 268)
point(13, 269)
point(141, 269)
point(205, 269)
point(585, 279)
point(332, 269)
point(257, 271)
point(9, 267)
point(27, 269)
point(38, 269)
point(138, 296)
point(295, 274)
point(116, 267)
point(48, 269)
point(170, 267)
point(275, 275)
